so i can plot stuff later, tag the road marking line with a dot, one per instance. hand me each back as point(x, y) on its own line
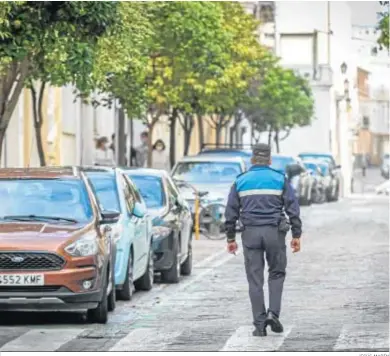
point(243, 340)
point(42, 340)
point(146, 339)
point(205, 272)
point(363, 336)
point(210, 258)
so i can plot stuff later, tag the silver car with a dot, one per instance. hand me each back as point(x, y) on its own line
point(211, 173)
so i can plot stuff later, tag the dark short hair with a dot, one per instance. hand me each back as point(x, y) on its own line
point(101, 140)
point(161, 142)
point(145, 134)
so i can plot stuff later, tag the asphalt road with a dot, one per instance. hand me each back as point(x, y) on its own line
point(336, 298)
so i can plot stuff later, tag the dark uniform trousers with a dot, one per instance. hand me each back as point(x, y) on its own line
point(258, 241)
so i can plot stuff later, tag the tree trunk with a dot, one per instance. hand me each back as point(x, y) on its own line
point(286, 134)
point(188, 127)
point(131, 140)
point(150, 126)
point(172, 137)
point(37, 103)
point(269, 136)
point(276, 140)
point(121, 149)
point(200, 131)
point(217, 134)
point(11, 85)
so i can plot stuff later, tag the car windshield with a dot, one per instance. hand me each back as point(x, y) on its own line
point(318, 158)
point(324, 169)
point(245, 154)
point(151, 189)
point(311, 166)
point(106, 190)
point(280, 163)
point(49, 198)
point(207, 172)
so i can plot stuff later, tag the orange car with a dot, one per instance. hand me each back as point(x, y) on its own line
point(55, 253)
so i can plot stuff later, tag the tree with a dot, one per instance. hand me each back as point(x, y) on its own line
point(383, 26)
point(283, 101)
point(26, 28)
point(184, 44)
point(224, 93)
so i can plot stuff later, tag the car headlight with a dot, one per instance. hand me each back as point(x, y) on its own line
point(86, 246)
point(160, 232)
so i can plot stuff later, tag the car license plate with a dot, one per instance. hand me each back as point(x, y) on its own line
point(22, 280)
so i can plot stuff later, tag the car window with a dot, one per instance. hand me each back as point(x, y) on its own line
point(135, 190)
point(207, 172)
point(280, 163)
point(64, 198)
point(130, 197)
point(151, 190)
point(106, 190)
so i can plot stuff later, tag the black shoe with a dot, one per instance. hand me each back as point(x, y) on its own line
point(259, 332)
point(274, 322)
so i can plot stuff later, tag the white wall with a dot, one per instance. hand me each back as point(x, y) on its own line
point(294, 18)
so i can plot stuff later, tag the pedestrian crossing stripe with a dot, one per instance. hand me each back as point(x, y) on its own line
point(243, 340)
point(354, 337)
point(41, 340)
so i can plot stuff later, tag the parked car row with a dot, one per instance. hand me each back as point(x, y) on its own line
point(315, 177)
point(78, 239)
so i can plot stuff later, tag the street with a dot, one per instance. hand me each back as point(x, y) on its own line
point(336, 297)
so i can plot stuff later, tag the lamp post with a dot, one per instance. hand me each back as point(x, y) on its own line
point(343, 105)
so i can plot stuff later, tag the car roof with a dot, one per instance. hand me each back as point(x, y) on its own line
point(284, 156)
point(212, 158)
point(40, 172)
point(145, 172)
point(326, 154)
point(211, 151)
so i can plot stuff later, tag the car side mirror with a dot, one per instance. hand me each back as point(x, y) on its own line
point(139, 210)
point(109, 217)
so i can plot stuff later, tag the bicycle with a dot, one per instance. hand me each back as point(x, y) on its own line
point(209, 219)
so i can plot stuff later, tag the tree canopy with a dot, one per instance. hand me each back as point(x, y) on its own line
point(190, 61)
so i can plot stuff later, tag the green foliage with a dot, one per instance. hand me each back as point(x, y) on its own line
point(383, 25)
point(282, 101)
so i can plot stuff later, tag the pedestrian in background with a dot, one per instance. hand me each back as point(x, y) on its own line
point(103, 154)
point(142, 150)
point(160, 158)
point(258, 198)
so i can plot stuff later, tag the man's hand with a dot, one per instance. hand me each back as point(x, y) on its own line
point(296, 245)
point(232, 247)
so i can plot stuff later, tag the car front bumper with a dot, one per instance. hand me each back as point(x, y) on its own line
point(163, 254)
point(61, 300)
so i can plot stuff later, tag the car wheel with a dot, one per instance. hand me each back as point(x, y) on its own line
point(146, 281)
point(186, 267)
point(126, 293)
point(173, 274)
point(100, 313)
point(112, 295)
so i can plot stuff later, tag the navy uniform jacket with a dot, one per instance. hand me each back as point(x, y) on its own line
point(260, 197)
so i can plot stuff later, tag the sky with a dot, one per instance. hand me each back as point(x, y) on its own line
point(364, 13)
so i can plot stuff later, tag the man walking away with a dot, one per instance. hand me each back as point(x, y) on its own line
point(259, 198)
point(142, 151)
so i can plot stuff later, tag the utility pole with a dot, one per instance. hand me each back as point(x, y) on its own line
point(329, 31)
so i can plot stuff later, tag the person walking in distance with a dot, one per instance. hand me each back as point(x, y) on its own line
point(103, 155)
point(160, 158)
point(259, 198)
point(142, 150)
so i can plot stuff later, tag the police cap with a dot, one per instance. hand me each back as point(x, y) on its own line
point(261, 151)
